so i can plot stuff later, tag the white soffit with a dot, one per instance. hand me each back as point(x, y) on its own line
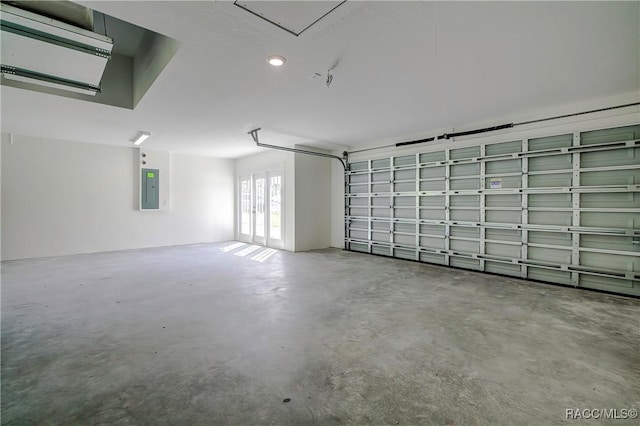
point(292, 16)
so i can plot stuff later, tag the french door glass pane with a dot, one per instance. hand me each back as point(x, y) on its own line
point(245, 219)
point(274, 208)
point(260, 207)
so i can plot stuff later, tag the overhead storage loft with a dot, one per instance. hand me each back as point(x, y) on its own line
point(66, 49)
point(44, 51)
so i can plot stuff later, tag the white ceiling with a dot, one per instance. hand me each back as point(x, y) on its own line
point(402, 71)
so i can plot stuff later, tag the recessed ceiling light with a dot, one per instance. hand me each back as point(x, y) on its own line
point(277, 60)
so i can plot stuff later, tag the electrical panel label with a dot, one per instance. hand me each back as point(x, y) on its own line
point(496, 183)
point(151, 175)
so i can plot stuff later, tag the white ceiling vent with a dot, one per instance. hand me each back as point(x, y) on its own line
point(40, 50)
point(294, 17)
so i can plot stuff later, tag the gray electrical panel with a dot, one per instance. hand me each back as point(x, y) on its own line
point(150, 189)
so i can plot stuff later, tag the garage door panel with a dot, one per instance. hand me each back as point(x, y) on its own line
point(502, 268)
point(610, 135)
point(408, 174)
point(432, 214)
point(550, 142)
point(404, 213)
point(438, 185)
point(608, 284)
point(432, 157)
point(611, 177)
point(381, 237)
point(550, 162)
point(409, 240)
point(610, 220)
point(551, 238)
point(461, 184)
point(503, 235)
point(503, 216)
point(432, 201)
point(358, 234)
point(404, 186)
point(505, 181)
point(380, 225)
point(503, 200)
point(465, 215)
point(505, 166)
point(464, 153)
point(535, 211)
point(433, 258)
point(616, 157)
point(550, 200)
point(610, 261)
point(609, 242)
point(432, 242)
point(503, 148)
point(503, 250)
point(625, 200)
point(359, 178)
point(358, 201)
point(464, 232)
point(551, 275)
point(464, 246)
point(405, 160)
point(404, 227)
point(465, 200)
point(465, 263)
point(381, 187)
point(550, 218)
point(359, 224)
point(550, 180)
point(545, 254)
point(381, 212)
point(380, 201)
point(358, 211)
point(432, 230)
point(402, 253)
point(358, 247)
point(404, 201)
point(472, 169)
point(432, 172)
point(381, 250)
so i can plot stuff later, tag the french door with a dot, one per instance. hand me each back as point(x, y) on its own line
point(261, 209)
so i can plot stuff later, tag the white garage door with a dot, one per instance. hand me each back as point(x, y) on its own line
point(563, 209)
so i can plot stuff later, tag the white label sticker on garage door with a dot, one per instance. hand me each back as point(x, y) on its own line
point(496, 183)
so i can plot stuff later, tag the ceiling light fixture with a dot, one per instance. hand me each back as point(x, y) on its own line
point(142, 136)
point(276, 60)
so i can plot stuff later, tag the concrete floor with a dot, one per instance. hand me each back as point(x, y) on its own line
point(195, 335)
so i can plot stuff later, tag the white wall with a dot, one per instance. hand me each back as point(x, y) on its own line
point(271, 161)
point(313, 201)
point(61, 197)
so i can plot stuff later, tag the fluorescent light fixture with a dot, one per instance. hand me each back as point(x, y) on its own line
point(142, 136)
point(277, 60)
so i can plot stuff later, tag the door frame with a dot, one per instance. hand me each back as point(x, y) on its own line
point(251, 238)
